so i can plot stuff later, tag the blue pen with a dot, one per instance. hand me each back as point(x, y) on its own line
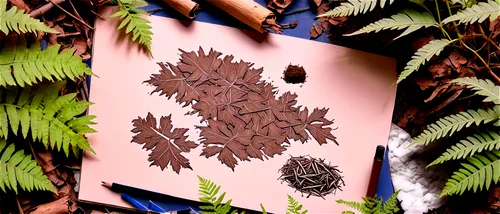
point(134, 202)
point(152, 206)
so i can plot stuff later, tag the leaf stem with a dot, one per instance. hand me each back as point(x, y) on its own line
point(441, 23)
point(482, 60)
point(72, 16)
point(454, 23)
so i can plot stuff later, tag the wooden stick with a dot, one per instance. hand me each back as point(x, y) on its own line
point(188, 8)
point(43, 9)
point(247, 11)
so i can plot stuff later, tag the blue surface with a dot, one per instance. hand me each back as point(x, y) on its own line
point(211, 14)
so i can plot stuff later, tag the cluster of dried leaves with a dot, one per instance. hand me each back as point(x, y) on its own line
point(246, 119)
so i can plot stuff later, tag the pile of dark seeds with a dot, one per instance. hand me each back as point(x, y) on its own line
point(311, 176)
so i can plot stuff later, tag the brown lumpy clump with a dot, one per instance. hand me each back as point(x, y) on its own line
point(294, 74)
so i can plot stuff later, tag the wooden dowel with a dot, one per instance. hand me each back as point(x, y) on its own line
point(188, 8)
point(247, 11)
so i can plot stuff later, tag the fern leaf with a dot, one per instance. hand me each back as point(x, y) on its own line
point(355, 205)
point(470, 146)
point(479, 173)
point(54, 120)
point(135, 22)
point(483, 87)
point(354, 7)
point(433, 48)
point(263, 209)
point(410, 20)
point(16, 20)
point(294, 207)
point(476, 13)
point(18, 169)
point(391, 205)
point(450, 124)
point(22, 66)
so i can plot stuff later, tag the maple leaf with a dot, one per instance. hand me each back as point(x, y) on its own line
point(166, 144)
point(199, 66)
point(226, 140)
point(267, 139)
point(173, 81)
point(315, 123)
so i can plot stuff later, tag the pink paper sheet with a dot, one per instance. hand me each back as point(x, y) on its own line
point(354, 85)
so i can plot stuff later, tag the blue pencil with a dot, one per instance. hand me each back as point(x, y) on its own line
point(134, 202)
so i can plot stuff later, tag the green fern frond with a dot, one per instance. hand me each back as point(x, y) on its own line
point(294, 207)
point(374, 205)
point(483, 87)
point(208, 194)
point(464, 3)
point(22, 66)
point(133, 18)
point(355, 205)
point(433, 48)
point(18, 169)
point(263, 209)
point(355, 7)
point(409, 19)
point(473, 144)
point(450, 124)
point(391, 205)
point(479, 173)
point(54, 120)
point(16, 20)
point(476, 13)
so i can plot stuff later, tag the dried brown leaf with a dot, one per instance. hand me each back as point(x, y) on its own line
point(316, 30)
point(438, 91)
point(408, 116)
point(495, 27)
point(166, 143)
point(80, 45)
point(21, 5)
point(426, 83)
point(455, 61)
point(440, 69)
point(59, 206)
point(317, 2)
point(279, 5)
point(446, 102)
point(245, 118)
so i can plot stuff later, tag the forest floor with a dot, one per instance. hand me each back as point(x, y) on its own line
point(421, 99)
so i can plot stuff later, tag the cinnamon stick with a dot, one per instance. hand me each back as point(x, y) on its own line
point(250, 13)
point(188, 8)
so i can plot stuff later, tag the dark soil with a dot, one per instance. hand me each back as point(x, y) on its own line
point(294, 74)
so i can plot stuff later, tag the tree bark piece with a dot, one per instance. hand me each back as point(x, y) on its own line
point(247, 11)
point(59, 206)
point(188, 8)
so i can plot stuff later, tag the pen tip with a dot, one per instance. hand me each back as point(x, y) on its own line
point(106, 184)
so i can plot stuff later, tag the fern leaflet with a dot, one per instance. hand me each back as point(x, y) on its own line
point(409, 19)
point(476, 13)
point(16, 20)
point(374, 205)
point(132, 17)
point(22, 66)
point(355, 7)
point(479, 173)
point(355, 205)
point(448, 125)
point(54, 120)
point(208, 194)
point(294, 207)
point(483, 87)
point(391, 205)
point(16, 168)
point(473, 144)
point(433, 48)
